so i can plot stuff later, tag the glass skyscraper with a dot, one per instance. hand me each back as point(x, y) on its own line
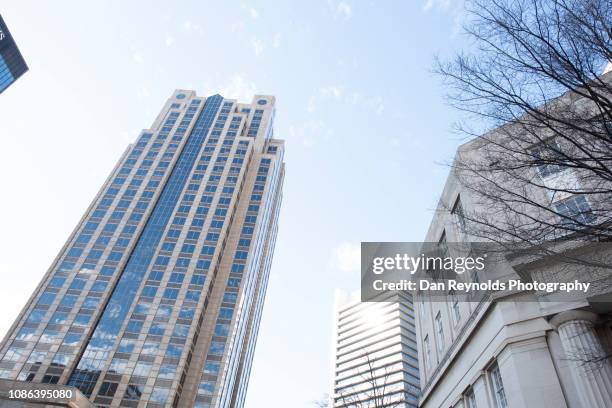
point(156, 297)
point(12, 64)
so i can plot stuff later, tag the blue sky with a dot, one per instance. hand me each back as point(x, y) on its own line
point(364, 119)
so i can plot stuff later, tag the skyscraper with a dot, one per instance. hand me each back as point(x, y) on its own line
point(375, 350)
point(156, 297)
point(12, 64)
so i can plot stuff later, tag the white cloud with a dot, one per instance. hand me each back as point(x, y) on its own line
point(335, 92)
point(238, 87)
point(237, 26)
point(458, 22)
point(340, 9)
point(346, 257)
point(311, 104)
point(143, 93)
point(369, 102)
point(276, 42)
point(169, 41)
point(441, 5)
point(309, 132)
point(344, 9)
point(187, 25)
point(343, 297)
point(190, 26)
point(253, 13)
point(137, 57)
point(258, 46)
point(331, 92)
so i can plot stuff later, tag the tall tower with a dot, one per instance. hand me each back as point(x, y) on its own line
point(376, 363)
point(12, 64)
point(156, 297)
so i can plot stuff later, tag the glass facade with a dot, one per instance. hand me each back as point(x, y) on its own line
point(157, 295)
point(12, 64)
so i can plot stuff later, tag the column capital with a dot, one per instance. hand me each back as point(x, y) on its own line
point(573, 315)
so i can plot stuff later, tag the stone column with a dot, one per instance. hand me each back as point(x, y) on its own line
point(591, 372)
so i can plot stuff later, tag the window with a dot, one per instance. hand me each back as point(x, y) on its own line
point(59, 318)
point(229, 297)
point(91, 302)
point(455, 306)
point(134, 326)
point(13, 354)
point(72, 339)
point(427, 357)
point(133, 392)
point(157, 329)
point(68, 301)
point(167, 371)
point(180, 330)
point(159, 395)
point(61, 359)
point(422, 305)
point(142, 307)
point(198, 279)
point(26, 333)
point(171, 293)
point(37, 357)
point(187, 312)
point(126, 346)
point(216, 348)
point(163, 311)
point(440, 331)
point(56, 282)
point(149, 291)
point(206, 388)
point(142, 369)
point(174, 350)
point(193, 295)
point(118, 365)
point(221, 330)
point(48, 336)
point(575, 210)
point(470, 399)
point(226, 313)
point(458, 213)
point(498, 387)
point(99, 286)
point(108, 389)
point(150, 348)
point(545, 155)
point(46, 298)
point(50, 379)
point(211, 368)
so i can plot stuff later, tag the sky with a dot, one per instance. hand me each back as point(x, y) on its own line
point(368, 138)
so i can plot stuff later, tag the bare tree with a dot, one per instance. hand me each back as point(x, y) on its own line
point(374, 388)
point(533, 83)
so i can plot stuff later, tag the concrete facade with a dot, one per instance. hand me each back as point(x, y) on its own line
point(521, 351)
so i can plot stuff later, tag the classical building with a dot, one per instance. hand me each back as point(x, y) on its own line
point(12, 64)
point(375, 353)
point(523, 349)
point(156, 297)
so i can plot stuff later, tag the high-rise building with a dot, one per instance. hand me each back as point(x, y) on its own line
point(156, 297)
point(12, 64)
point(376, 363)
